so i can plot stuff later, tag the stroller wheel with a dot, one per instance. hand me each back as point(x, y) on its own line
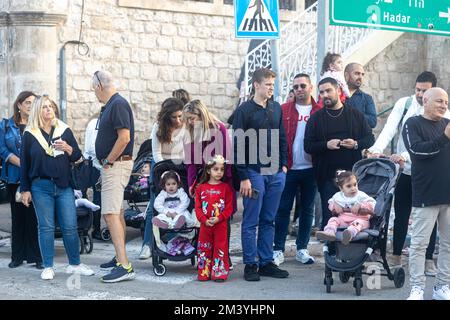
point(328, 283)
point(82, 248)
point(357, 283)
point(344, 277)
point(160, 270)
point(399, 277)
point(88, 243)
point(104, 233)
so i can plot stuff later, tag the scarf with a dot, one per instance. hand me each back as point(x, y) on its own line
point(60, 128)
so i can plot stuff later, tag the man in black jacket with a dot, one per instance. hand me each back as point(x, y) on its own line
point(260, 157)
point(427, 139)
point(334, 136)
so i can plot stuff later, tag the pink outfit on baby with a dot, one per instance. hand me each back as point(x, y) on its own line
point(355, 222)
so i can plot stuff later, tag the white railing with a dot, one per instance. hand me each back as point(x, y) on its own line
point(292, 34)
point(298, 49)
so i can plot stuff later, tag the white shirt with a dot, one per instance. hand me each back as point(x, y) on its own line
point(89, 143)
point(348, 202)
point(300, 159)
point(391, 128)
point(165, 151)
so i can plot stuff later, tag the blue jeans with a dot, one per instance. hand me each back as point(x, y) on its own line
point(148, 229)
point(327, 190)
point(48, 200)
point(294, 179)
point(260, 213)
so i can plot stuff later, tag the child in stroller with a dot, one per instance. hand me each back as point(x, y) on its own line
point(353, 207)
point(174, 244)
point(377, 177)
point(172, 203)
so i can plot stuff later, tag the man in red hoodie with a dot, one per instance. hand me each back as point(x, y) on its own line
point(300, 172)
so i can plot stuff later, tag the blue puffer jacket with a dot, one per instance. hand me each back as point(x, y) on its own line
point(10, 142)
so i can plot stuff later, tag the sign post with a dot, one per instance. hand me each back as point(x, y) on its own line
point(260, 19)
point(420, 16)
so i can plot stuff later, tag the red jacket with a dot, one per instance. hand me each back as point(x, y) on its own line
point(290, 122)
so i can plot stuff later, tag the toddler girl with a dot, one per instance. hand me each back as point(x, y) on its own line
point(213, 207)
point(352, 207)
point(171, 203)
point(332, 67)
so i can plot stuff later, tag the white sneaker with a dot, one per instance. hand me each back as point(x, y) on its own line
point(278, 257)
point(82, 269)
point(416, 293)
point(442, 293)
point(145, 252)
point(304, 257)
point(48, 274)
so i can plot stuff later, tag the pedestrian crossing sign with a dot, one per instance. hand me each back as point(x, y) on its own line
point(257, 19)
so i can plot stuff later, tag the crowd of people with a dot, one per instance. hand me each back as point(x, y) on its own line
point(275, 154)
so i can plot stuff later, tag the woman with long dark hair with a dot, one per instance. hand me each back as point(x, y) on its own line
point(24, 230)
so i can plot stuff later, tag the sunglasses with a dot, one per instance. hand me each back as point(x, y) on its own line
point(296, 86)
point(98, 79)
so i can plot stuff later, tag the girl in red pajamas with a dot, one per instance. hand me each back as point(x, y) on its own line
point(213, 207)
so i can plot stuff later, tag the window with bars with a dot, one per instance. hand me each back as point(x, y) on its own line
point(284, 4)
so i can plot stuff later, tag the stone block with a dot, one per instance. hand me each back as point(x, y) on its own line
point(103, 52)
point(175, 58)
point(136, 85)
point(163, 16)
point(395, 80)
point(199, 20)
point(122, 54)
point(196, 45)
point(216, 89)
point(189, 59)
point(159, 57)
point(168, 30)
point(192, 88)
point(205, 33)
point(139, 55)
point(187, 31)
point(180, 74)
point(204, 59)
point(222, 33)
point(211, 74)
point(81, 83)
point(228, 76)
point(155, 86)
point(171, 86)
point(215, 21)
point(220, 60)
point(152, 27)
point(214, 46)
point(182, 18)
point(196, 75)
point(137, 26)
point(149, 72)
point(180, 44)
point(165, 73)
point(131, 71)
point(147, 41)
point(164, 42)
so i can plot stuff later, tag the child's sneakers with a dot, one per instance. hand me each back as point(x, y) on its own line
point(326, 235)
point(346, 237)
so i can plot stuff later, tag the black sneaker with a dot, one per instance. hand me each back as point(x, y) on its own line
point(251, 272)
point(97, 235)
point(271, 270)
point(119, 273)
point(109, 264)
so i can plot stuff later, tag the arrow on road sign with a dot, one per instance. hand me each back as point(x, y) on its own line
point(445, 15)
point(257, 18)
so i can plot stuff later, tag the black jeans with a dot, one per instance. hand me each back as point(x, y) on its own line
point(24, 230)
point(403, 207)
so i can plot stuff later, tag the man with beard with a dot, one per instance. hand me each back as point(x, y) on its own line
point(404, 109)
point(334, 136)
point(354, 74)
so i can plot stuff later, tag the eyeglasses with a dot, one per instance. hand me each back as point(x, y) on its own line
point(296, 86)
point(98, 79)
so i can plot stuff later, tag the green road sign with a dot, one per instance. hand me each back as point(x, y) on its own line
point(424, 16)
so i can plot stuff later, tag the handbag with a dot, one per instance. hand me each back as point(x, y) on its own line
point(81, 174)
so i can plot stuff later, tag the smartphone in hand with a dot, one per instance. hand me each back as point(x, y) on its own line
point(255, 193)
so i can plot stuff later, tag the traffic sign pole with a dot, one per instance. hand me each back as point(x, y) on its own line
point(275, 61)
point(322, 34)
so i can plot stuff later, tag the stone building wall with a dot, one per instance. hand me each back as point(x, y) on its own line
point(151, 53)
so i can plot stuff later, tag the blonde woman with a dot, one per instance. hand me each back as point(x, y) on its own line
point(48, 147)
point(207, 136)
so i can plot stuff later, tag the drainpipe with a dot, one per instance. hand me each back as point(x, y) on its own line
point(62, 78)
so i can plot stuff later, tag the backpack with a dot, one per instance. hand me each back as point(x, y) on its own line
point(405, 110)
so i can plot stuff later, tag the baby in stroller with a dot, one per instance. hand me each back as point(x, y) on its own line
point(172, 203)
point(353, 207)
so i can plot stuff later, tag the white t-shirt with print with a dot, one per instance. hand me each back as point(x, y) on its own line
point(301, 159)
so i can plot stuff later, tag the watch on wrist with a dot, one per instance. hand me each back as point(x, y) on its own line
point(105, 162)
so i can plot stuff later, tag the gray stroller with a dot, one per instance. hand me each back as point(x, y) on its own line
point(377, 177)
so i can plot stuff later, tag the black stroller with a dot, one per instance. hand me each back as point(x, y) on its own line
point(84, 222)
point(136, 193)
point(376, 177)
point(158, 254)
